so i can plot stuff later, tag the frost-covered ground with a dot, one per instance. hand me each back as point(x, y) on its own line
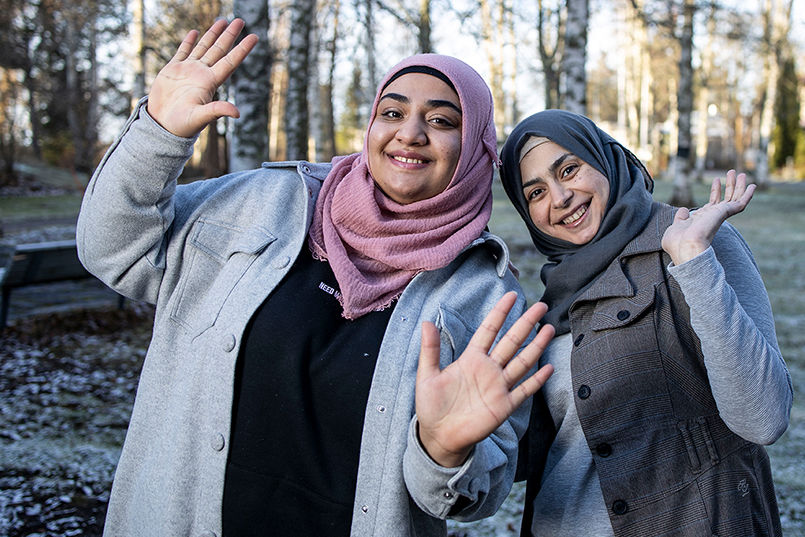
point(68, 378)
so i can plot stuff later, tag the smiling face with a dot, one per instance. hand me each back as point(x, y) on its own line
point(567, 198)
point(414, 142)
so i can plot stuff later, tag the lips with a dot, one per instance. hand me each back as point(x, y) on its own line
point(406, 160)
point(573, 218)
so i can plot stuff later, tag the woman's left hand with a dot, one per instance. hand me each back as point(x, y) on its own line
point(463, 404)
point(693, 232)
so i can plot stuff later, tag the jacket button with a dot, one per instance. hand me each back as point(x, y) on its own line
point(623, 315)
point(584, 391)
point(365, 508)
point(217, 442)
point(228, 343)
point(281, 263)
point(619, 507)
point(603, 450)
point(578, 340)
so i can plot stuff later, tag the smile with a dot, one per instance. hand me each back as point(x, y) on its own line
point(409, 160)
point(575, 216)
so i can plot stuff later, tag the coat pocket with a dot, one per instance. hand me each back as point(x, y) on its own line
point(216, 257)
point(617, 313)
point(455, 335)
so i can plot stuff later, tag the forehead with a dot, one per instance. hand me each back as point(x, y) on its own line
point(421, 87)
point(542, 160)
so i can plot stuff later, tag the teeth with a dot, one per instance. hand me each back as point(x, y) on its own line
point(409, 160)
point(575, 216)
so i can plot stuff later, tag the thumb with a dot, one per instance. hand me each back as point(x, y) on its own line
point(429, 352)
point(682, 214)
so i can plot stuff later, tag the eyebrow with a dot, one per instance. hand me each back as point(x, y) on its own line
point(432, 103)
point(552, 169)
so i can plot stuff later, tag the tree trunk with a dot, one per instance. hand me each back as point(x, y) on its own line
point(550, 53)
point(703, 98)
point(325, 147)
point(777, 26)
point(575, 56)
point(425, 45)
point(138, 43)
point(252, 90)
point(371, 64)
point(490, 30)
point(303, 14)
point(682, 194)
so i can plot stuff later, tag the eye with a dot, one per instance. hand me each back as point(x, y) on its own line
point(441, 121)
point(390, 113)
point(534, 194)
point(568, 170)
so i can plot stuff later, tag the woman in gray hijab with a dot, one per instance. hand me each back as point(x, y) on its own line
point(668, 376)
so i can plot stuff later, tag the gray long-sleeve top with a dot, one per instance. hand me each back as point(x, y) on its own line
point(731, 315)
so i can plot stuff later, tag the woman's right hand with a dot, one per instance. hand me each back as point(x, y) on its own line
point(692, 232)
point(181, 97)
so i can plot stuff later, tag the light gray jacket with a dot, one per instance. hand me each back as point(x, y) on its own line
point(208, 254)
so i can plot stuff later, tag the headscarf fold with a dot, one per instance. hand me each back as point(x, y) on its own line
point(375, 245)
point(572, 268)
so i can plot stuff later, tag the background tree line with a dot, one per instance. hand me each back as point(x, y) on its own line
point(687, 84)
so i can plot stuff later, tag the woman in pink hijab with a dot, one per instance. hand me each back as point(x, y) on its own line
point(336, 348)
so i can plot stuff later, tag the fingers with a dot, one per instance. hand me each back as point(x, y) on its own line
point(513, 340)
point(715, 191)
point(486, 334)
point(429, 352)
point(736, 193)
point(683, 213)
point(208, 40)
point(531, 385)
point(187, 46)
point(523, 362)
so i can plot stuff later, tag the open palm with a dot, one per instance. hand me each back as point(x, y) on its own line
point(463, 404)
point(182, 95)
point(692, 232)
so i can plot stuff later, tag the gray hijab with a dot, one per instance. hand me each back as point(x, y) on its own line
point(572, 268)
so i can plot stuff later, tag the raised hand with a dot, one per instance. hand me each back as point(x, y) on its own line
point(692, 232)
point(463, 404)
point(181, 97)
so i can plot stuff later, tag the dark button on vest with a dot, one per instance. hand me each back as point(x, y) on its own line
point(584, 391)
point(623, 315)
point(603, 450)
point(577, 342)
point(619, 507)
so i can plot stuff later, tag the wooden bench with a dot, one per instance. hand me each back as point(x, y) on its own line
point(44, 262)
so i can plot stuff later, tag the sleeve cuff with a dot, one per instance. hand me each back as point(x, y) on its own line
point(434, 488)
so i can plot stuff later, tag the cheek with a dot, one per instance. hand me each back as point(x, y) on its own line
point(538, 215)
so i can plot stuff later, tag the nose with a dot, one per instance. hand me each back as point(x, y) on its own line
point(412, 131)
point(560, 196)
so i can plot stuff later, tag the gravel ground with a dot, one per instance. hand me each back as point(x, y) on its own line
point(67, 383)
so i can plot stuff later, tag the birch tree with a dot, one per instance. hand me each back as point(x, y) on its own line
point(550, 46)
point(325, 143)
point(418, 19)
point(682, 193)
point(252, 90)
point(303, 13)
point(776, 27)
point(703, 97)
point(138, 44)
point(575, 56)
point(369, 43)
point(491, 32)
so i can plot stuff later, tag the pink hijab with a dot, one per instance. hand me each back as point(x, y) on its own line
point(375, 245)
